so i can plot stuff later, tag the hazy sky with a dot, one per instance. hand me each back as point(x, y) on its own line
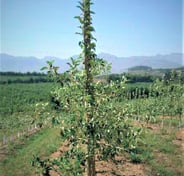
point(123, 27)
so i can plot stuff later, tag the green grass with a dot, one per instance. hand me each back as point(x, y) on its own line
point(160, 153)
point(18, 162)
point(161, 170)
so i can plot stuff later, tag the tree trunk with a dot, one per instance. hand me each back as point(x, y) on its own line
point(91, 158)
point(88, 56)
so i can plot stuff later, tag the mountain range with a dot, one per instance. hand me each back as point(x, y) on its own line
point(119, 64)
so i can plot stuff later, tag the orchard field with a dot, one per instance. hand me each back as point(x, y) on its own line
point(87, 122)
point(18, 105)
point(155, 108)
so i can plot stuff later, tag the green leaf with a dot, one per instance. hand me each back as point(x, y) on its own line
point(44, 68)
point(80, 19)
point(50, 62)
point(79, 33)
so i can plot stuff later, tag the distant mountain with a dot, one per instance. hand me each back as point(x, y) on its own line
point(119, 64)
point(28, 64)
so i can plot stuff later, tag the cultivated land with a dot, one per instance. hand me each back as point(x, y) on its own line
point(158, 113)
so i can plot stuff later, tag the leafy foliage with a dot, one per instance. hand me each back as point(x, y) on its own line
point(95, 125)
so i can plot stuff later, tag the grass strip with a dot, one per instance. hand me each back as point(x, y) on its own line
point(18, 162)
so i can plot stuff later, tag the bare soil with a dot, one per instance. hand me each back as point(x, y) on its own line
point(124, 167)
point(109, 168)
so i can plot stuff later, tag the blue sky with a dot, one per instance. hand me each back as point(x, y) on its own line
point(123, 27)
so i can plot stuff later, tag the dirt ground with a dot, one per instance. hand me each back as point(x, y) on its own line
point(123, 166)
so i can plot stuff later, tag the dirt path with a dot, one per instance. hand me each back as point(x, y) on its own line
point(123, 166)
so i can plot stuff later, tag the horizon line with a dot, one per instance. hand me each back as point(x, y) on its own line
point(58, 57)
